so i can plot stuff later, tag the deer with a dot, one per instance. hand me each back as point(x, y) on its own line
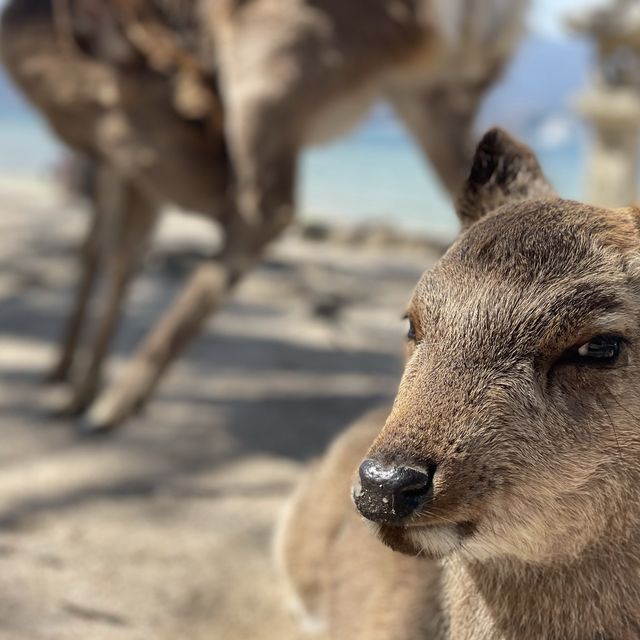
point(207, 105)
point(498, 498)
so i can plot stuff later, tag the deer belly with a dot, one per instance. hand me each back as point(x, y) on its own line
point(339, 116)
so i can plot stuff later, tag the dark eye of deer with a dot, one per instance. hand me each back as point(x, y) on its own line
point(411, 333)
point(599, 350)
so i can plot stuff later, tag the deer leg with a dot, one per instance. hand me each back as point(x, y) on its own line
point(264, 176)
point(89, 262)
point(129, 227)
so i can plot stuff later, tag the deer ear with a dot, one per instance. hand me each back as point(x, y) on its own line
point(503, 170)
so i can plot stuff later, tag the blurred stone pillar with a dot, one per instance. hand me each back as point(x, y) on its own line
point(613, 161)
point(612, 105)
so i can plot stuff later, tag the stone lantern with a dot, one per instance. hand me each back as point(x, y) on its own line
point(612, 104)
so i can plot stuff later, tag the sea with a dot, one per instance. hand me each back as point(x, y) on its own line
point(377, 174)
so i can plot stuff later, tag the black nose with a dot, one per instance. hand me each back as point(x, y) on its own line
point(389, 494)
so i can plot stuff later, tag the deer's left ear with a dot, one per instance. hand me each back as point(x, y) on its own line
point(503, 171)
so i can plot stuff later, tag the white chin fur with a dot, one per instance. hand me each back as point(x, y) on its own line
point(435, 542)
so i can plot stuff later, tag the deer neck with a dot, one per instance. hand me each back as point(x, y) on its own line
point(595, 596)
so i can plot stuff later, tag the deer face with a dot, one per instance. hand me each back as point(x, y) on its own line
point(514, 430)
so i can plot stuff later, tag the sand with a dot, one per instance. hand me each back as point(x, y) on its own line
point(163, 529)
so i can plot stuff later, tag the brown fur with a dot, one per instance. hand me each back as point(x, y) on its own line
point(535, 508)
point(109, 78)
point(338, 580)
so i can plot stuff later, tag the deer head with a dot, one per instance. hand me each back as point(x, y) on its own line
point(514, 429)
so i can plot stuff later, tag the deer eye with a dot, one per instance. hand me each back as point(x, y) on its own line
point(599, 350)
point(411, 332)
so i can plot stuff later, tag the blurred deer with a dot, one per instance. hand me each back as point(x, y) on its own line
point(207, 105)
point(508, 469)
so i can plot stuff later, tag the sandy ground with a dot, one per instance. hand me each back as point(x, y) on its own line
point(163, 530)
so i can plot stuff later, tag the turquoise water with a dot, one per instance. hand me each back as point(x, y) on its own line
point(361, 179)
point(366, 178)
point(26, 147)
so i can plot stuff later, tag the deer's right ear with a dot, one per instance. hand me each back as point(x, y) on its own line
point(503, 170)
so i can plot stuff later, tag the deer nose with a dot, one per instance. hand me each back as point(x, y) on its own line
point(389, 494)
